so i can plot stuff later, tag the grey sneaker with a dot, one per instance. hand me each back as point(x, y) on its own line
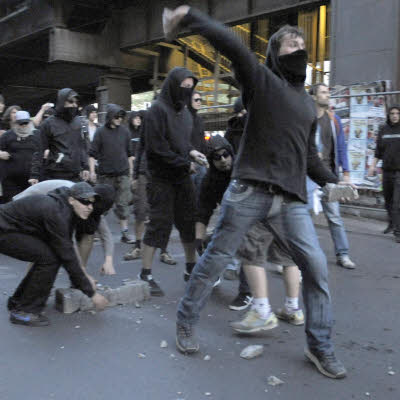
point(327, 364)
point(252, 323)
point(166, 258)
point(185, 340)
point(345, 262)
point(294, 317)
point(134, 254)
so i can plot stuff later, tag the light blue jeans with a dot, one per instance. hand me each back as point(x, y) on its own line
point(336, 227)
point(245, 203)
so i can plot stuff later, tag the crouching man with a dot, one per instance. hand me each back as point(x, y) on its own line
point(39, 229)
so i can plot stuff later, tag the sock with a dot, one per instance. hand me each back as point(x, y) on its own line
point(292, 303)
point(138, 243)
point(262, 306)
point(189, 267)
point(145, 272)
point(162, 251)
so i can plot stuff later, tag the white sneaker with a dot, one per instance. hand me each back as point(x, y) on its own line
point(345, 262)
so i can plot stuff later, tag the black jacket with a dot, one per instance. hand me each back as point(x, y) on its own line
point(52, 219)
point(168, 131)
point(197, 137)
point(234, 131)
point(278, 145)
point(388, 144)
point(136, 132)
point(19, 167)
point(111, 147)
point(214, 183)
point(140, 164)
point(65, 140)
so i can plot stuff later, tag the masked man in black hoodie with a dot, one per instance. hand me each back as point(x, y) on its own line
point(112, 148)
point(276, 153)
point(39, 229)
point(388, 150)
point(63, 136)
point(170, 157)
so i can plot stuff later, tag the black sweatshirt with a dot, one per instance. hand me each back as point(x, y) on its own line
point(278, 145)
point(197, 138)
point(140, 164)
point(388, 144)
point(214, 183)
point(112, 147)
point(51, 219)
point(18, 167)
point(65, 141)
point(168, 131)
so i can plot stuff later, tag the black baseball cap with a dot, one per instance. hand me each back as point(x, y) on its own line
point(82, 190)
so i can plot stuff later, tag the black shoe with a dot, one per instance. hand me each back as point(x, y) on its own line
point(389, 229)
point(185, 339)
point(327, 364)
point(241, 302)
point(28, 319)
point(155, 290)
point(127, 238)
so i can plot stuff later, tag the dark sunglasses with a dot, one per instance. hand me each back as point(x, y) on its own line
point(119, 117)
point(23, 123)
point(198, 100)
point(86, 202)
point(217, 157)
point(72, 101)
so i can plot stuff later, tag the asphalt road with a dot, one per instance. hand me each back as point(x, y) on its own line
point(116, 354)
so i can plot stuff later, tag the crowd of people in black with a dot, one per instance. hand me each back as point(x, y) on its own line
point(61, 172)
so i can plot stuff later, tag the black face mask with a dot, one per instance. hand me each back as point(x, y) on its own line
point(69, 113)
point(184, 96)
point(294, 66)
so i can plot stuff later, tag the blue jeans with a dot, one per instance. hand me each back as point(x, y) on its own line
point(336, 227)
point(244, 204)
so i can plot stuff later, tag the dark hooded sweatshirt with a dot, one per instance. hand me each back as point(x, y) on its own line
point(63, 136)
point(214, 183)
point(278, 145)
point(388, 144)
point(52, 219)
point(197, 138)
point(18, 168)
point(234, 131)
point(168, 130)
point(140, 164)
point(136, 132)
point(111, 147)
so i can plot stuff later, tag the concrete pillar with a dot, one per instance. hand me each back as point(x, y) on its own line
point(365, 41)
point(113, 89)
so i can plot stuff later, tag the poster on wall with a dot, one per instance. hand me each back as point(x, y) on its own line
point(362, 114)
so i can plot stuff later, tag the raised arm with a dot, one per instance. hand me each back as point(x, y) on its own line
point(243, 60)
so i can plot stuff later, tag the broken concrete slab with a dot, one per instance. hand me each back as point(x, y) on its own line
point(70, 300)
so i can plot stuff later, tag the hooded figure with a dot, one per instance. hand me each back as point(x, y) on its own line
point(388, 143)
point(276, 147)
point(62, 135)
point(197, 137)
point(22, 143)
point(136, 131)
point(215, 182)
point(169, 126)
point(111, 145)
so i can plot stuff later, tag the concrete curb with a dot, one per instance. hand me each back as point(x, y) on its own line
point(69, 300)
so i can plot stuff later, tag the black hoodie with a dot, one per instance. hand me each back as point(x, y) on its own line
point(111, 147)
point(64, 138)
point(140, 164)
point(214, 183)
point(197, 137)
point(136, 131)
point(168, 130)
point(234, 132)
point(278, 144)
point(388, 144)
point(52, 219)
